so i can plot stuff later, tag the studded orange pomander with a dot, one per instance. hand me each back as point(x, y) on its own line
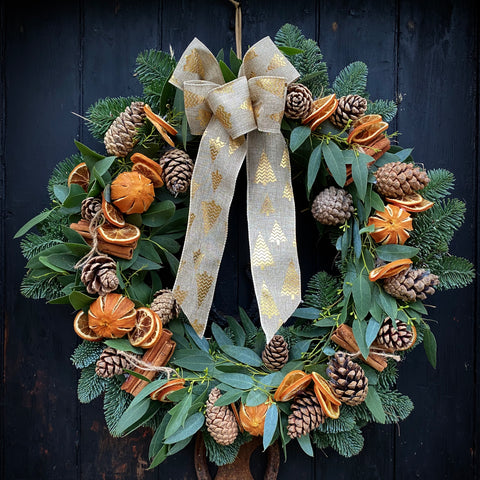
point(132, 192)
point(391, 226)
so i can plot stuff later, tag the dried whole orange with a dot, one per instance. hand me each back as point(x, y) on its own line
point(390, 269)
point(163, 127)
point(161, 394)
point(80, 325)
point(391, 226)
point(146, 325)
point(132, 192)
point(112, 315)
point(148, 168)
point(253, 418)
point(294, 382)
point(119, 235)
point(80, 175)
point(112, 213)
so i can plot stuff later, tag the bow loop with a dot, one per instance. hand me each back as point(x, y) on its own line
point(197, 110)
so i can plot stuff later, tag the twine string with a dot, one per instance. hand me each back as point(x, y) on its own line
point(238, 27)
point(137, 362)
point(97, 221)
point(377, 351)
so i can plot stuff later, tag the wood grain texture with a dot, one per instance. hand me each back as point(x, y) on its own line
point(58, 57)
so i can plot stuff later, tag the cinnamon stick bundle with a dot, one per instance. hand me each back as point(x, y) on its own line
point(343, 336)
point(158, 356)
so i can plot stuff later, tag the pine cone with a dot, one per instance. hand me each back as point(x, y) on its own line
point(165, 305)
point(350, 107)
point(307, 415)
point(111, 363)
point(275, 354)
point(99, 274)
point(177, 170)
point(120, 137)
point(332, 206)
point(347, 379)
point(399, 338)
point(411, 285)
point(398, 179)
point(299, 101)
point(220, 421)
point(90, 207)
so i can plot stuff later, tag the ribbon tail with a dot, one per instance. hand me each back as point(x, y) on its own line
point(271, 230)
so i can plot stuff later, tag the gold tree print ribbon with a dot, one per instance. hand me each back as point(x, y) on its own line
point(236, 120)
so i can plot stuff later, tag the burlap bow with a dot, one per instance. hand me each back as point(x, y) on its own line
point(252, 104)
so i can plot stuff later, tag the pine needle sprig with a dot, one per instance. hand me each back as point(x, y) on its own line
point(352, 80)
point(45, 286)
point(90, 385)
point(386, 108)
point(388, 377)
point(344, 423)
point(441, 184)
point(453, 272)
point(321, 290)
point(86, 354)
point(61, 172)
point(395, 405)
point(347, 444)
point(115, 403)
point(33, 244)
point(154, 66)
point(223, 454)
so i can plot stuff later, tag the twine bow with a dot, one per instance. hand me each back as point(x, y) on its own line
point(252, 104)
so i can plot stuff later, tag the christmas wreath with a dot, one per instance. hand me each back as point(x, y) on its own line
point(109, 246)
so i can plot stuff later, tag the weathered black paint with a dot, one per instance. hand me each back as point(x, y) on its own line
point(58, 57)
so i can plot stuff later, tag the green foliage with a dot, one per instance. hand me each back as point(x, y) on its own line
point(36, 286)
point(386, 108)
point(61, 172)
point(52, 226)
point(388, 377)
point(396, 406)
point(87, 353)
point(115, 402)
point(90, 385)
point(223, 454)
point(347, 444)
point(103, 112)
point(33, 244)
point(352, 80)
point(344, 423)
point(454, 272)
point(309, 63)
point(321, 290)
point(441, 183)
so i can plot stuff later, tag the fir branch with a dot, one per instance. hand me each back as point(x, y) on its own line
point(441, 183)
point(223, 454)
point(344, 423)
point(352, 80)
point(44, 286)
point(388, 377)
point(321, 290)
point(289, 36)
point(453, 272)
point(53, 226)
point(61, 172)
point(33, 244)
point(386, 108)
point(90, 385)
point(396, 406)
point(103, 112)
point(86, 354)
point(115, 403)
point(154, 66)
point(346, 444)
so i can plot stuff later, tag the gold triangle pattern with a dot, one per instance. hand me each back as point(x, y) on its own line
point(246, 105)
point(216, 179)
point(285, 163)
point(227, 88)
point(250, 55)
point(257, 108)
point(197, 258)
point(211, 211)
point(179, 294)
point(267, 303)
point(198, 327)
point(267, 207)
point(291, 283)
point(191, 218)
point(192, 99)
point(264, 172)
point(194, 186)
point(288, 192)
point(276, 86)
point(261, 256)
point(203, 117)
point(224, 117)
point(204, 282)
point(215, 146)
point(276, 62)
point(277, 236)
point(193, 64)
point(277, 117)
point(233, 145)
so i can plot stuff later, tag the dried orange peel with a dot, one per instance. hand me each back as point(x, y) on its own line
point(329, 408)
point(294, 382)
point(406, 201)
point(366, 129)
point(148, 327)
point(253, 418)
point(391, 226)
point(390, 269)
point(161, 125)
point(83, 330)
point(162, 393)
point(80, 175)
point(112, 213)
point(125, 235)
point(148, 168)
point(324, 387)
point(323, 108)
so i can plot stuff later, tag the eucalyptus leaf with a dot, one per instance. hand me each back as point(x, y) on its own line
point(270, 426)
point(299, 348)
point(80, 301)
point(229, 397)
point(309, 313)
point(220, 336)
point(359, 328)
point(404, 154)
point(192, 425)
point(60, 192)
point(228, 75)
point(313, 167)
point(158, 214)
point(243, 354)
point(31, 223)
point(235, 62)
point(195, 360)
point(394, 252)
point(335, 163)
point(357, 241)
point(255, 397)
point(123, 344)
point(290, 50)
point(362, 295)
point(388, 303)
point(371, 332)
point(298, 137)
point(237, 331)
point(430, 346)
point(75, 196)
point(374, 404)
point(236, 380)
point(360, 174)
point(178, 415)
point(306, 444)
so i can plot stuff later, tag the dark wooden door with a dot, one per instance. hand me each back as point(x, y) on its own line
point(59, 57)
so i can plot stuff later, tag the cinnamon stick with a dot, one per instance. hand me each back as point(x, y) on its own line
point(158, 355)
point(343, 336)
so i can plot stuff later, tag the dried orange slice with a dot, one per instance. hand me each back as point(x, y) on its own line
point(391, 226)
point(145, 323)
point(329, 408)
point(161, 125)
point(365, 134)
point(324, 115)
point(161, 394)
point(149, 168)
point(112, 213)
point(82, 329)
point(119, 235)
point(294, 382)
point(319, 106)
point(412, 340)
point(421, 207)
point(80, 175)
point(155, 336)
point(406, 201)
point(390, 269)
point(324, 387)
point(367, 120)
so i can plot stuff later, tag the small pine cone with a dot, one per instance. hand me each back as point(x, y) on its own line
point(350, 107)
point(120, 137)
point(165, 305)
point(399, 338)
point(307, 415)
point(299, 101)
point(90, 207)
point(275, 354)
point(177, 170)
point(111, 363)
point(398, 179)
point(332, 206)
point(220, 421)
point(99, 274)
point(348, 380)
point(411, 285)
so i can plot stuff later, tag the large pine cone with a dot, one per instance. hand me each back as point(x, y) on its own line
point(90, 207)
point(299, 101)
point(275, 354)
point(332, 206)
point(220, 421)
point(120, 137)
point(399, 338)
point(350, 107)
point(306, 414)
point(165, 305)
point(111, 363)
point(398, 179)
point(348, 380)
point(99, 274)
point(411, 285)
point(177, 170)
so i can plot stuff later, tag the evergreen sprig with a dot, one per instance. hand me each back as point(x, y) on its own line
point(386, 108)
point(45, 285)
point(115, 403)
point(321, 290)
point(61, 172)
point(86, 354)
point(90, 385)
point(33, 244)
point(395, 405)
point(352, 80)
point(441, 184)
point(344, 423)
point(347, 444)
point(223, 454)
point(453, 272)
point(388, 377)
